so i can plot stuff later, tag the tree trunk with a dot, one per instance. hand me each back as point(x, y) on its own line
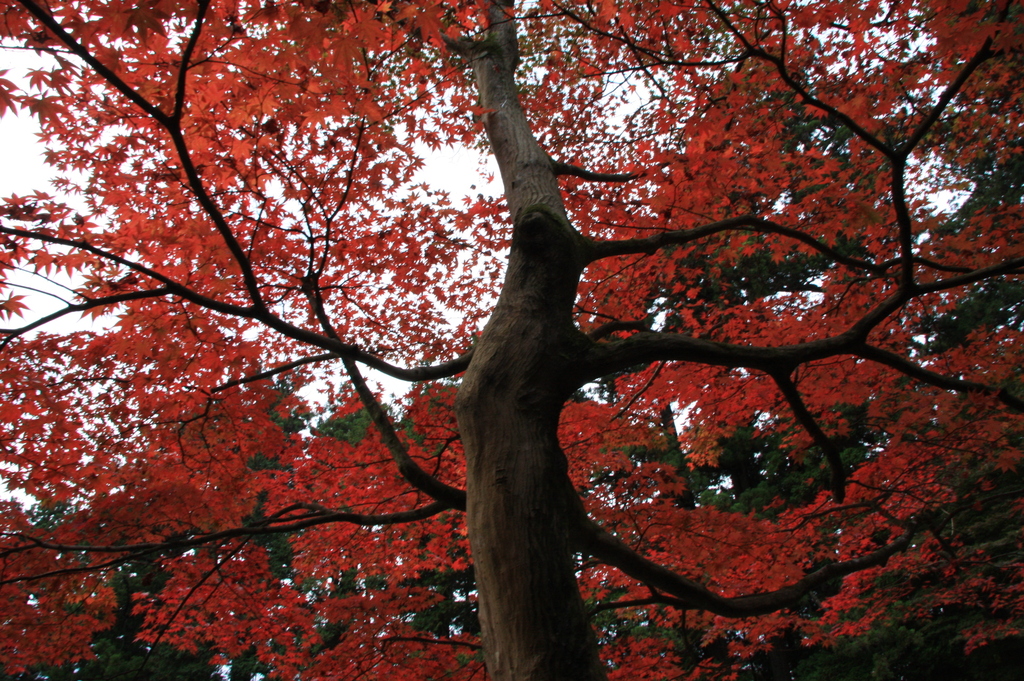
point(522, 512)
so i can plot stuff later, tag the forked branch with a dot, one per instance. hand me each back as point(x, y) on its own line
point(647, 347)
point(608, 328)
point(171, 124)
point(654, 346)
point(639, 603)
point(983, 54)
point(754, 50)
point(654, 57)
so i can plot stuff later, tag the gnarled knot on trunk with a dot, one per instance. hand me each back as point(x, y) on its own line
point(539, 227)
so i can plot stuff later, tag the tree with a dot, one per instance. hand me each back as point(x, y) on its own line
point(717, 219)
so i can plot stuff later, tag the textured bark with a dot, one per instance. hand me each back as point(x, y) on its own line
point(522, 512)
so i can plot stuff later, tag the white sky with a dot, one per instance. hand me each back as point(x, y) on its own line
point(22, 170)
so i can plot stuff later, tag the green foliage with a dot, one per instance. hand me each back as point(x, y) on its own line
point(247, 667)
point(989, 306)
point(929, 650)
point(456, 614)
point(350, 428)
point(290, 419)
point(996, 182)
point(992, 304)
point(48, 515)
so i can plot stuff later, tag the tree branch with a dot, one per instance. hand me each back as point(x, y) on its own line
point(639, 603)
point(611, 327)
point(904, 223)
point(11, 334)
point(751, 223)
point(696, 596)
point(656, 58)
point(276, 370)
point(218, 563)
point(276, 525)
point(422, 373)
point(653, 346)
point(173, 286)
point(908, 368)
point(983, 54)
point(560, 168)
point(410, 470)
point(47, 20)
point(186, 57)
point(1008, 267)
point(436, 641)
point(810, 424)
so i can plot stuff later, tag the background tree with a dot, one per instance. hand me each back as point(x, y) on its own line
point(730, 233)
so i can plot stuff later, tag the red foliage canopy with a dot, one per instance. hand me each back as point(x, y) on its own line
point(788, 222)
